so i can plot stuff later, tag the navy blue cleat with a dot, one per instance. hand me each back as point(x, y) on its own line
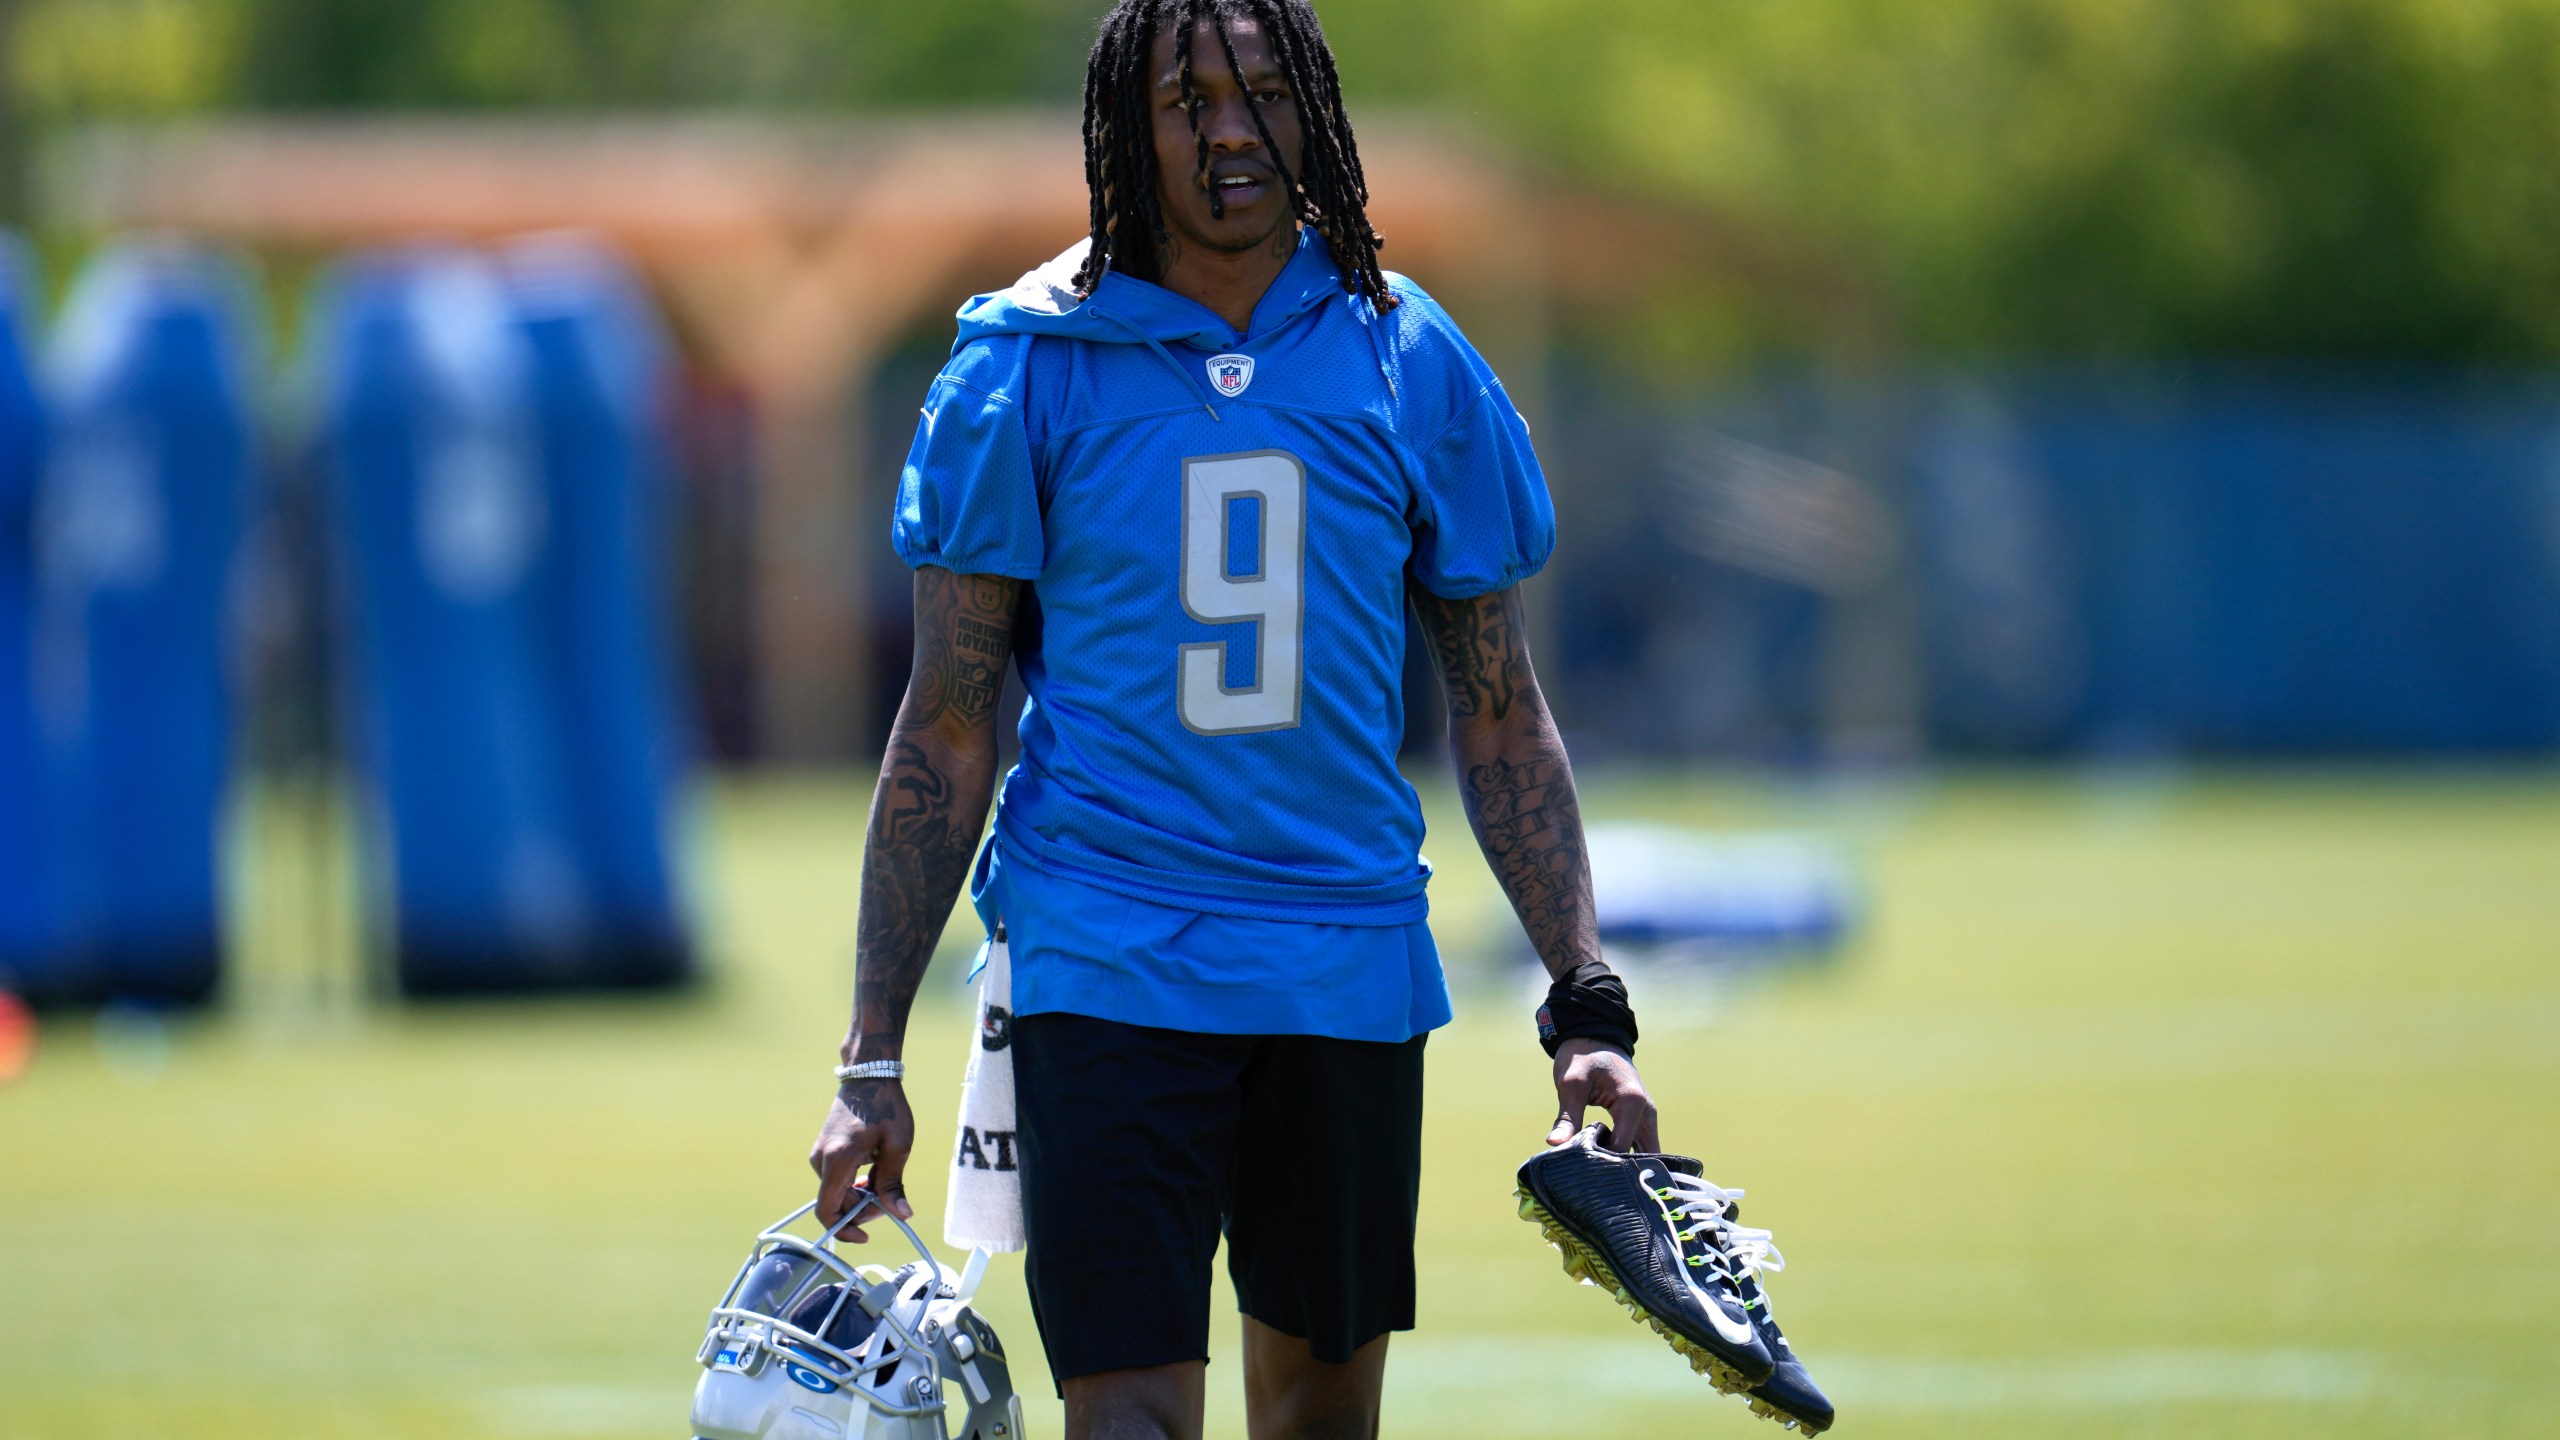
point(1649, 1230)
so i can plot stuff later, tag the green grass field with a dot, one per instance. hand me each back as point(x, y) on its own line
point(2219, 1108)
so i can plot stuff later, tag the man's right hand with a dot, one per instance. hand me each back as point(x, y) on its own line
point(869, 1124)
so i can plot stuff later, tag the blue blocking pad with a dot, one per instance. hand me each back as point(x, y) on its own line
point(600, 374)
point(25, 926)
point(147, 477)
point(466, 444)
point(439, 497)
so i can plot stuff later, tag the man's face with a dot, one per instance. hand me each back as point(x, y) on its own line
point(1249, 189)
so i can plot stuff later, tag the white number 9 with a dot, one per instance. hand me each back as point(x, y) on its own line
point(1273, 596)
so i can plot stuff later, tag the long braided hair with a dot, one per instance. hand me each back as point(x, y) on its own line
point(1330, 195)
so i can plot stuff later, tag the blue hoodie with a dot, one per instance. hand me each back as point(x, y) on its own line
point(1218, 529)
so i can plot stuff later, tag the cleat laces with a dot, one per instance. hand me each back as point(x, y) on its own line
point(1708, 1208)
point(1750, 1255)
point(1749, 1250)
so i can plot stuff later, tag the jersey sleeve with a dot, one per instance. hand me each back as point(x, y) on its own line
point(968, 499)
point(1483, 520)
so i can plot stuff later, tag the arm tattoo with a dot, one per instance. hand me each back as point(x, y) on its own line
point(935, 783)
point(1530, 825)
point(1484, 660)
point(964, 634)
point(1513, 776)
point(878, 1103)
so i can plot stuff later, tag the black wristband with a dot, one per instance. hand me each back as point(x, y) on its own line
point(1588, 1002)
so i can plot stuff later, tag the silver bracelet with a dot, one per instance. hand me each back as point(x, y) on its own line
point(873, 1070)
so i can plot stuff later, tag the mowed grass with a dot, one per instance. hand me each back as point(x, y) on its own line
point(2209, 1108)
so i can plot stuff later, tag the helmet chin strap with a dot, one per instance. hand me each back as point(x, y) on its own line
point(972, 1274)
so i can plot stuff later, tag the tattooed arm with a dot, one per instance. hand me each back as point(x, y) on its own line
point(935, 783)
point(1517, 786)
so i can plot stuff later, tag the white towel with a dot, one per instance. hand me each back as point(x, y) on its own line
point(985, 1208)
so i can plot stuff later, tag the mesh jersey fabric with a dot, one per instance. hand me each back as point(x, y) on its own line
point(1080, 950)
point(1090, 448)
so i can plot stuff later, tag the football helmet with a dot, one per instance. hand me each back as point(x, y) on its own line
point(804, 1345)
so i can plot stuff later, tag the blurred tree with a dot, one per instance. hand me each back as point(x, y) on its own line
point(77, 59)
point(2348, 178)
point(638, 53)
point(2353, 178)
point(13, 124)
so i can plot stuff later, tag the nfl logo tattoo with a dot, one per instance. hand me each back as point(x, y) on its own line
point(1231, 373)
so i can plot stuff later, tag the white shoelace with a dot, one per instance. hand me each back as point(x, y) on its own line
point(1751, 1251)
point(1703, 1203)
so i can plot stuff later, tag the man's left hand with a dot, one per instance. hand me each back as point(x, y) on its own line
point(1590, 1073)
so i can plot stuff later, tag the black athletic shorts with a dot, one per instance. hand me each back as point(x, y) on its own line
point(1140, 1146)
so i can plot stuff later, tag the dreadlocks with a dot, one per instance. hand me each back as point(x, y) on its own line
point(1331, 195)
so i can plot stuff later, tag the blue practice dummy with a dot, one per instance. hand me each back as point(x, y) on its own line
point(599, 369)
point(150, 459)
point(437, 472)
point(24, 931)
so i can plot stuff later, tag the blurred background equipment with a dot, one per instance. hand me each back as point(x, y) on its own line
point(25, 932)
point(2244, 562)
point(1688, 915)
point(1715, 901)
point(2066, 560)
point(138, 526)
point(601, 384)
point(17, 1037)
point(491, 441)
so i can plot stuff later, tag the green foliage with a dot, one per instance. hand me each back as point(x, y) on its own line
point(2350, 178)
point(2326, 177)
point(125, 57)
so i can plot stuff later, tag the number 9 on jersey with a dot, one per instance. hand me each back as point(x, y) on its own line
point(1244, 559)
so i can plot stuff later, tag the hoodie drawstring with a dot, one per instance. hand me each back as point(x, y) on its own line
point(1169, 357)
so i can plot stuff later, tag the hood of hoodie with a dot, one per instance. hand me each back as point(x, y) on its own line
point(1126, 311)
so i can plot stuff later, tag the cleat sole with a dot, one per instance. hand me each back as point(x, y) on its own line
point(1767, 1411)
point(1584, 1264)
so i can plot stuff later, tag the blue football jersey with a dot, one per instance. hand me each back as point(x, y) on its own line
point(1218, 529)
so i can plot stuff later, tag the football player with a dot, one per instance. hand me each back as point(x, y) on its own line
point(1188, 478)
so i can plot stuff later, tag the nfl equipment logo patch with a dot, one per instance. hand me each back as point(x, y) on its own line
point(1231, 373)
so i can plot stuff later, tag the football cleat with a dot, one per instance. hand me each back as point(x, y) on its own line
point(1789, 1396)
point(805, 1346)
point(1647, 1228)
